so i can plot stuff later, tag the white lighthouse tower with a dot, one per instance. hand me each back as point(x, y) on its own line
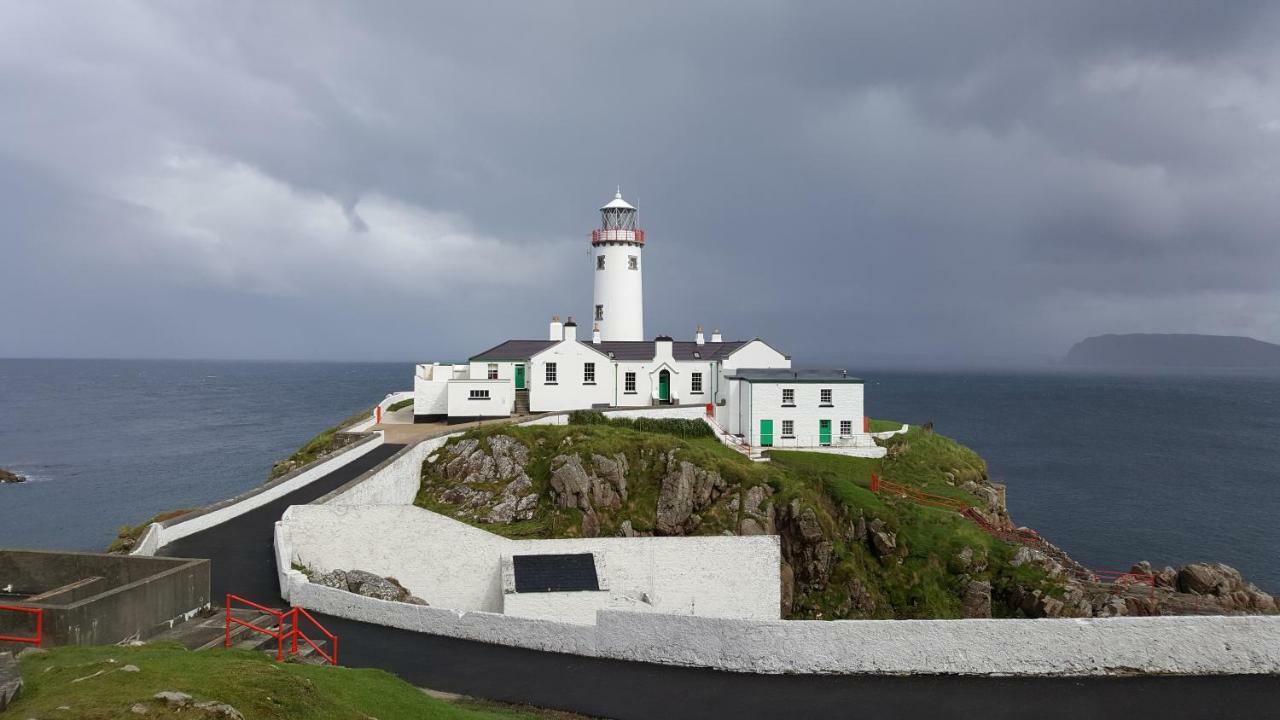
point(619, 295)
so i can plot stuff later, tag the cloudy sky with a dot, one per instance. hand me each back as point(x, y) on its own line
point(869, 182)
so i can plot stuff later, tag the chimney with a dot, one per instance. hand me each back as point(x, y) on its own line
point(571, 329)
point(595, 334)
point(698, 338)
point(715, 335)
point(662, 346)
point(557, 329)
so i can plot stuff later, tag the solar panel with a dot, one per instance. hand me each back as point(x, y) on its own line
point(555, 573)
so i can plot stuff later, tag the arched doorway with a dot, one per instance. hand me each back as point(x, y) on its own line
point(664, 386)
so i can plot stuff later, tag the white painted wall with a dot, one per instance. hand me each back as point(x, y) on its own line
point(158, 535)
point(454, 565)
point(431, 389)
point(619, 289)
point(756, 354)
point(500, 403)
point(571, 391)
point(766, 403)
point(395, 482)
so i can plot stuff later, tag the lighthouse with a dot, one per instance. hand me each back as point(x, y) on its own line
point(619, 291)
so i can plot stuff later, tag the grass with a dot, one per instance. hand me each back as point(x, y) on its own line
point(326, 442)
point(876, 426)
point(249, 681)
point(128, 536)
point(399, 405)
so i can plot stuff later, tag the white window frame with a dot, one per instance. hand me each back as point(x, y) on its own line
point(846, 428)
point(589, 373)
point(695, 383)
point(629, 383)
point(826, 397)
point(633, 262)
point(788, 428)
point(478, 395)
point(788, 396)
point(549, 374)
point(492, 374)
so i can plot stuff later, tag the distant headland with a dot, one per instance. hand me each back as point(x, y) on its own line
point(1173, 350)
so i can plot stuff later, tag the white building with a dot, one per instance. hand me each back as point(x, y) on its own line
point(747, 386)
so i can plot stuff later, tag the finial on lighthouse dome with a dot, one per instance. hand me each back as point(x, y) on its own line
point(617, 203)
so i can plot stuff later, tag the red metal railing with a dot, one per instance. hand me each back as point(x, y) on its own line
point(630, 236)
point(919, 496)
point(332, 656)
point(36, 639)
point(280, 635)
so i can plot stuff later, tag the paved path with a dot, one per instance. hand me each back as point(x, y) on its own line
point(242, 550)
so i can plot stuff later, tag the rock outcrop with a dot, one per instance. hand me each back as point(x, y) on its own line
point(368, 584)
point(8, 476)
point(487, 480)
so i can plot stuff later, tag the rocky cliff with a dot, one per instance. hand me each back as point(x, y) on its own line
point(847, 552)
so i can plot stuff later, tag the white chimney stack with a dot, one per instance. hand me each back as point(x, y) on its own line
point(715, 335)
point(571, 329)
point(595, 334)
point(698, 338)
point(557, 329)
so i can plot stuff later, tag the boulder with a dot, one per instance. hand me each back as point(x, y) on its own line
point(1207, 579)
point(173, 699)
point(8, 476)
point(686, 489)
point(219, 710)
point(884, 542)
point(365, 583)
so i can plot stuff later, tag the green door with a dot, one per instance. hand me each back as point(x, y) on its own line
point(664, 386)
point(766, 433)
point(824, 432)
point(519, 376)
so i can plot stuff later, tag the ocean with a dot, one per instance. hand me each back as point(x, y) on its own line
point(1171, 467)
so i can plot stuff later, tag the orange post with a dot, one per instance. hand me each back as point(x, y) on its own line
point(875, 483)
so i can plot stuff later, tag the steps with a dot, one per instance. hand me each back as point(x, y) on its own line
point(208, 632)
point(522, 402)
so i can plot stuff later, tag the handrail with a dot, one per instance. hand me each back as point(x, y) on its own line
point(280, 635)
point(36, 640)
point(332, 657)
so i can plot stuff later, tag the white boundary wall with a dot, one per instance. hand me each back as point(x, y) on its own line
point(688, 412)
point(1247, 645)
point(158, 535)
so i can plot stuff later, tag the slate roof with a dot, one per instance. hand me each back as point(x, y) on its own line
point(635, 350)
point(555, 573)
point(781, 375)
point(514, 350)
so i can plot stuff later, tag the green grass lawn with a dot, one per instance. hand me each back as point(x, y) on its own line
point(90, 681)
point(876, 426)
point(399, 405)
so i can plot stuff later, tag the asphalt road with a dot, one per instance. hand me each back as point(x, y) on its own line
point(242, 550)
point(243, 562)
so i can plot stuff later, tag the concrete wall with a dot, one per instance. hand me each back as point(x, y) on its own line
point(454, 565)
point(499, 403)
point(431, 391)
point(756, 354)
point(1110, 646)
point(135, 597)
point(691, 412)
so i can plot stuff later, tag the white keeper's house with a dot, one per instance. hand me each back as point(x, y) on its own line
point(746, 388)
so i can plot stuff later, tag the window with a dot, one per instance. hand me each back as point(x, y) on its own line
point(478, 395)
point(589, 373)
point(633, 262)
point(695, 383)
point(551, 373)
point(846, 427)
point(824, 396)
point(599, 262)
point(788, 396)
point(629, 383)
point(788, 428)
point(493, 371)
point(599, 313)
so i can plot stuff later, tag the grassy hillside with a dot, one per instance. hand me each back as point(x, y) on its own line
point(607, 480)
point(91, 683)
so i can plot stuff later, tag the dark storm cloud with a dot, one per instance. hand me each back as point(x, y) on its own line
point(857, 182)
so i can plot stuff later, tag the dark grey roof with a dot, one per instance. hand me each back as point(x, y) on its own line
point(635, 350)
point(515, 350)
point(785, 375)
